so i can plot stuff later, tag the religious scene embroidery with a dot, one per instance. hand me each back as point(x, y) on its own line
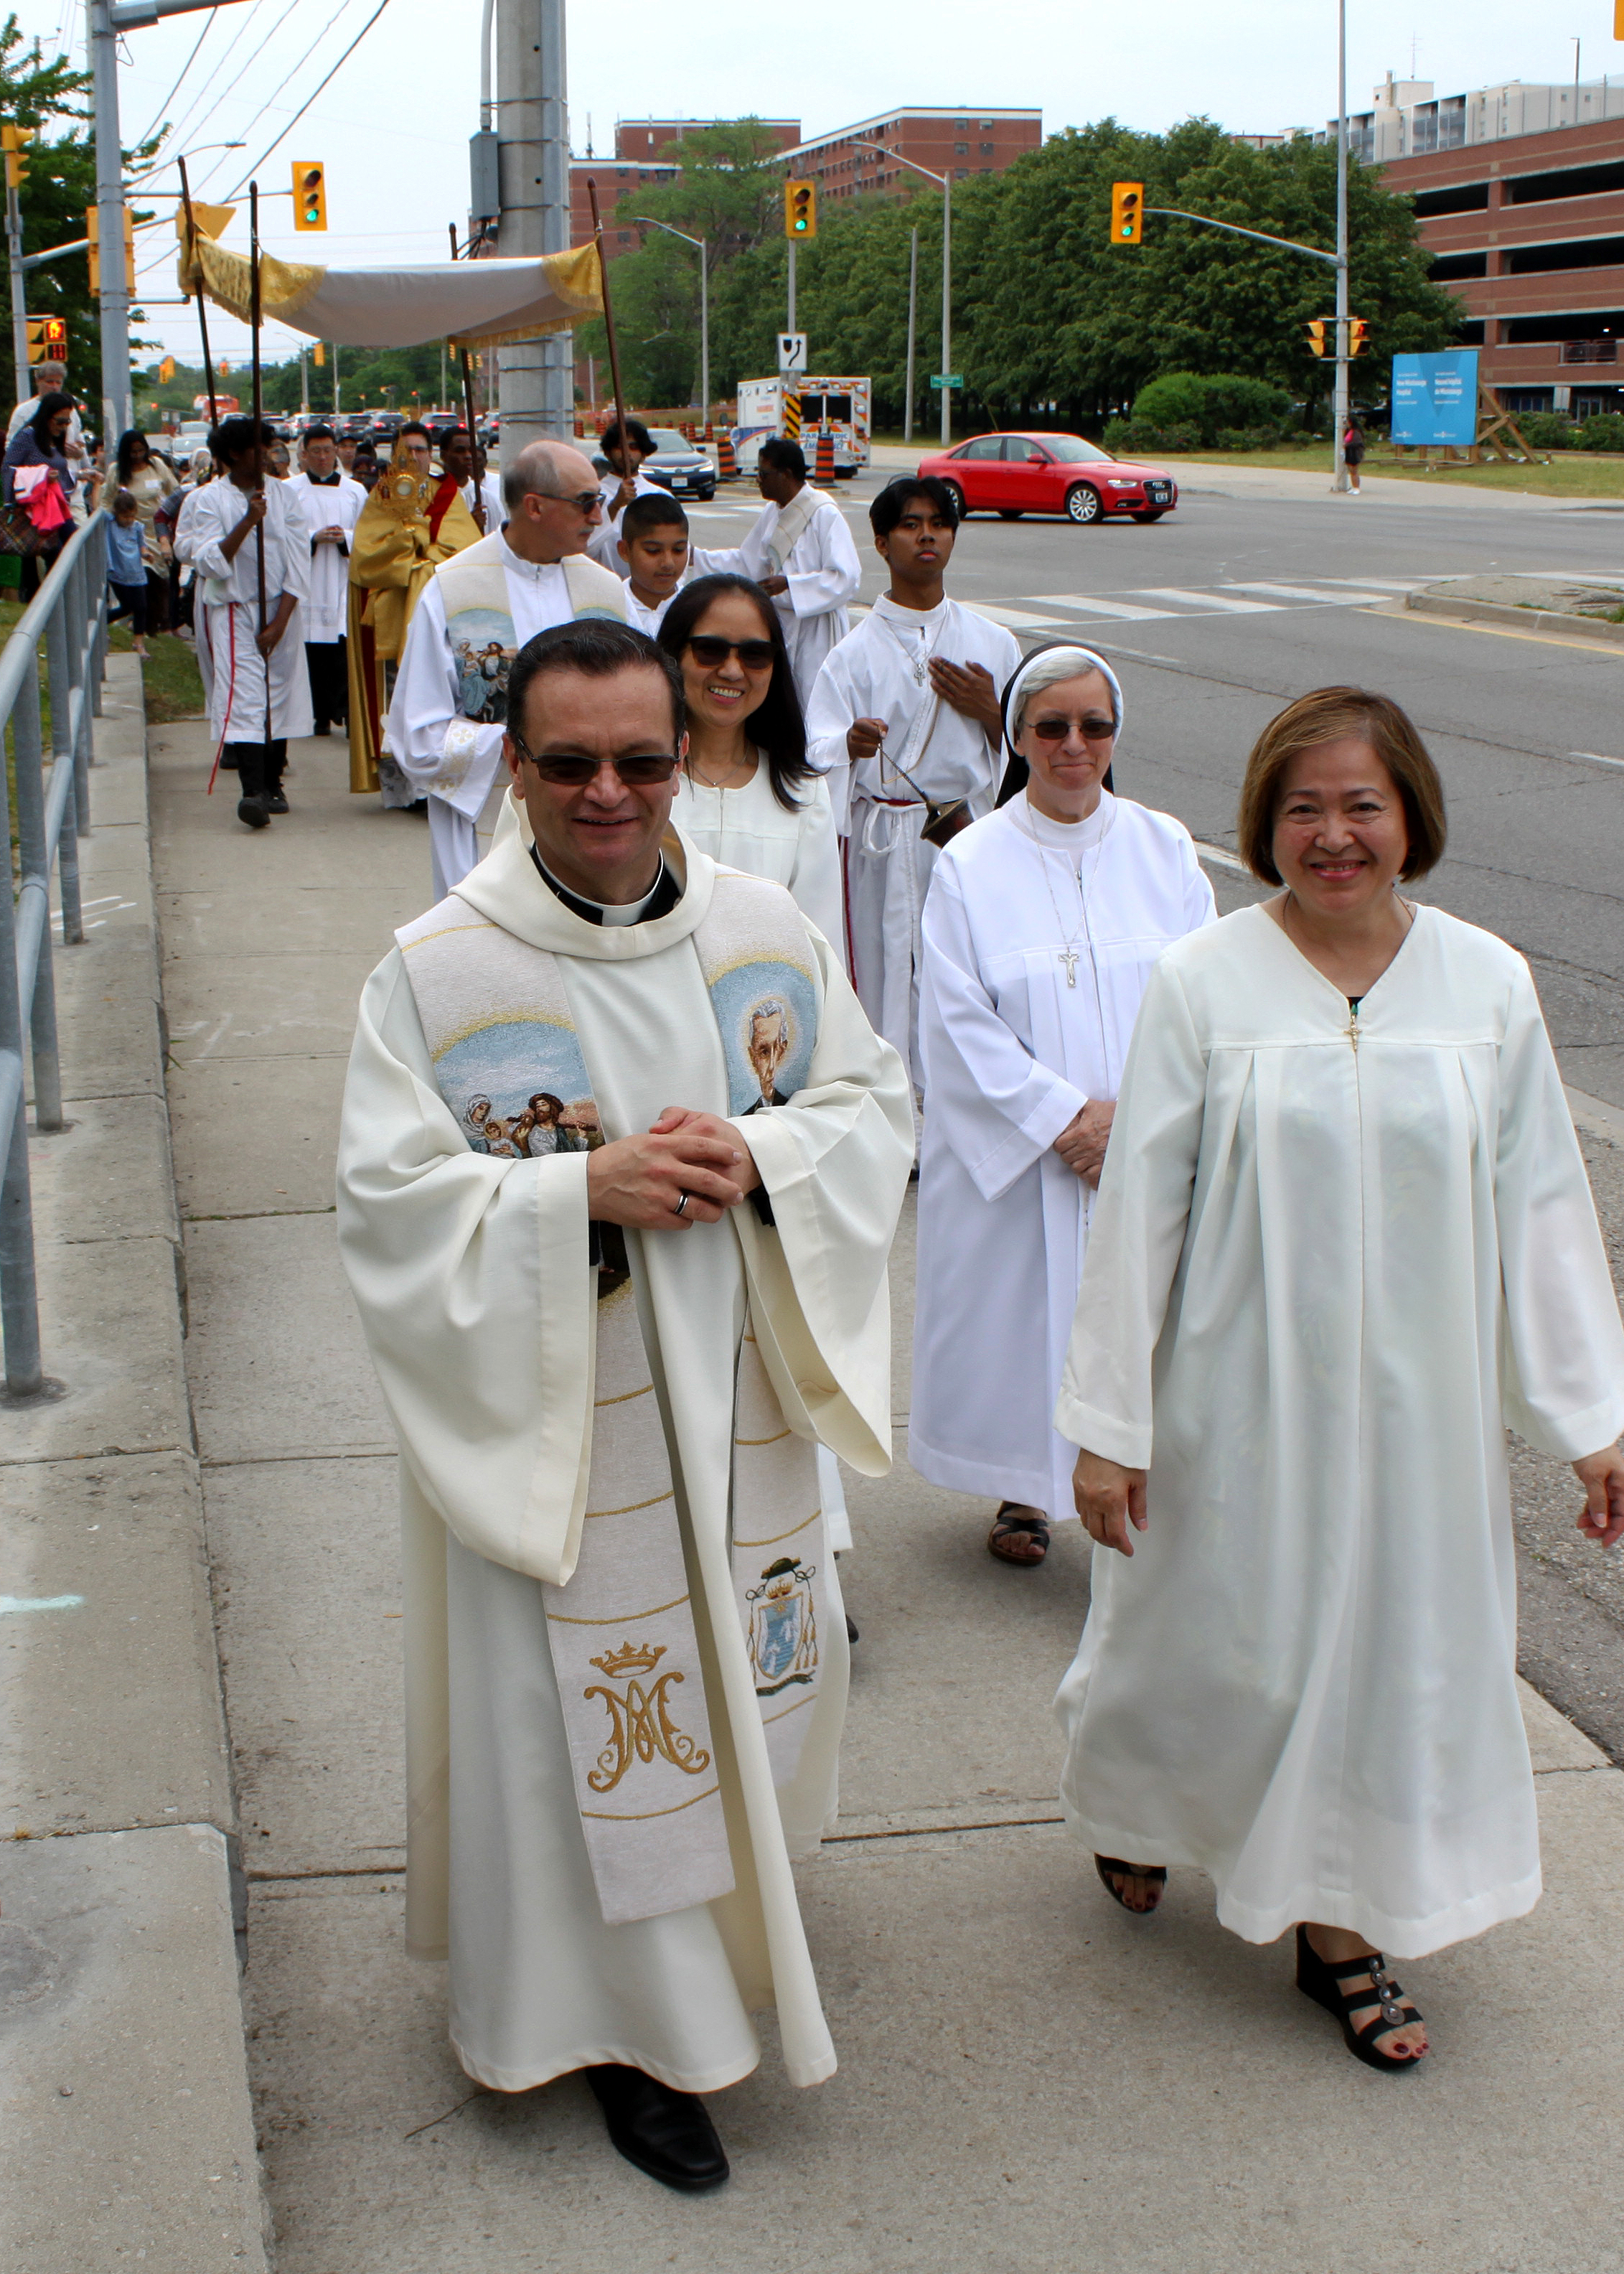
point(765, 1004)
point(482, 647)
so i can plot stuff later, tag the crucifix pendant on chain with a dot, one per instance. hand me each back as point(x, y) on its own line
point(1352, 1030)
point(1068, 956)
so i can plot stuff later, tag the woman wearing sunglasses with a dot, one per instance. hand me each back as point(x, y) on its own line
point(749, 797)
point(1040, 927)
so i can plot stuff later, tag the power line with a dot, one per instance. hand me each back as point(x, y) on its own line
point(242, 29)
point(305, 105)
point(158, 116)
point(297, 67)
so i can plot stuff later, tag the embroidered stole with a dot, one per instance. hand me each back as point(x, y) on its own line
point(473, 585)
point(496, 1014)
point(794, 521)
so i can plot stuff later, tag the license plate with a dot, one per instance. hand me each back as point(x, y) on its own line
point(679, 481)
point(1158, 493)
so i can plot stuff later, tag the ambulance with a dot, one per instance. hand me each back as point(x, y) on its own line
point(840, 405)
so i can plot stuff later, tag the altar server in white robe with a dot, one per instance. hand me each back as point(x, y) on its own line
point(904, 718)
point(248, 669)
point(624, 481)
point(447, 716)
point(332, 504)
point(747, 795)
point(483, 496)
point(619, 1167)
point(1344, 1239)
point(1041, 929)
point(800, 552)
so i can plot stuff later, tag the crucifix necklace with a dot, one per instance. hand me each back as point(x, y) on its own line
point(1067, 954)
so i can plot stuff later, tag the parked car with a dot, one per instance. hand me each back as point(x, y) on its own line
point(1014, 474)
point(676, 465)
point(353, 426)
point(385, 425)
point(442, 422)
point(191, 435)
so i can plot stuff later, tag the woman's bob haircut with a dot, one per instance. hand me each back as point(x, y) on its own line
point(1330, 714)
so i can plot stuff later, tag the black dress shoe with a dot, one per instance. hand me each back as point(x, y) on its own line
point(666, 2133)
point(322, 727)
point(275, 800)
point(254, 811)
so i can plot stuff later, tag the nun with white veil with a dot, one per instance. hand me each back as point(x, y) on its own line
point(1042, 925)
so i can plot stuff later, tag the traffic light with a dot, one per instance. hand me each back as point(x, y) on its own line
point(93, 230)
point(1356, 329)
point(319, 356)
point(799, 209)
point(1127, 212)
point(48, 339)
point(15, 140)
point(166, 370)
point(310, 195)
point(1316, 335)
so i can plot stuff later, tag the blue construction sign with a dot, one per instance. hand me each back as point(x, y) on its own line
point(1435, 399)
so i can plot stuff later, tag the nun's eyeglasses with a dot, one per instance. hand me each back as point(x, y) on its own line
point(1056, 730)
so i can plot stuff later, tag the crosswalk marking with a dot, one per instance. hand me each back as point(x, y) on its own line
point(1381, 583)
point(1017, 620)
point(1205, 600)
point(1090, 607)
point(1301, 593)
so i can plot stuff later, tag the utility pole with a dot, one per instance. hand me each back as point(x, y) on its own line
point(1339, 392)
point(908, 410)
point(538, 376)
point(304, 381)
point(20, 297)
point(790, 326)
point(947, 309)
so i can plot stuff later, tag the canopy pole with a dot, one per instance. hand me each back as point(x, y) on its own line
point(614, 352)
point(258, 420)
point(191, 237)
point(468, 405)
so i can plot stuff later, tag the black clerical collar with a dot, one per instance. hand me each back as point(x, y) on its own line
point(324, 481)
point(661, 900)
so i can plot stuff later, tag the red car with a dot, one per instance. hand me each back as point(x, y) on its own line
point(1012, 474)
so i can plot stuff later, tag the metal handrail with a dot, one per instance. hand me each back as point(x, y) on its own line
point(69, 614)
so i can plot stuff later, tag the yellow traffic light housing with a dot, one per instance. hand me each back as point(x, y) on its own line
point(1356, 330)
point(1316, 335)
point(320, 355)
point(310, 195)
point(1127, 212)
point(799, 209)
point(48, 339)
point(93, 230)
point(14, 141)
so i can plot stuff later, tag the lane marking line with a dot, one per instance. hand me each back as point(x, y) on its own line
point(1595, 758)
point(1221, 857)
point(1603, 650)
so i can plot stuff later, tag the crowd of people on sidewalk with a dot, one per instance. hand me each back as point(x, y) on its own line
point(1242, 1240)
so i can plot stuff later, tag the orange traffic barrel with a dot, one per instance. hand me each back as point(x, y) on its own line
point(824, 468)
point(726, 461)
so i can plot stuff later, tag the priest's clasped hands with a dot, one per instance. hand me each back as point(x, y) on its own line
point(689, 1169)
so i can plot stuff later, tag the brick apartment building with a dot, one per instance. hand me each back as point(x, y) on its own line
point(957, 143)
point(1519, 193)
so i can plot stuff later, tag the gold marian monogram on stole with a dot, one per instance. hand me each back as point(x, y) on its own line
point(640, 1719)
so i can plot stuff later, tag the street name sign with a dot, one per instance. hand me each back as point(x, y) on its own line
point(940, 379)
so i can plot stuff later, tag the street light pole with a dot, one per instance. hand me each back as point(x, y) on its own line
point(944, 182)
point(908, 410)
point(647, 221)
point(1339, 393)
point(19, 299)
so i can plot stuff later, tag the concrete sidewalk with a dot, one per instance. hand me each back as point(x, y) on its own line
point(1029, 2080)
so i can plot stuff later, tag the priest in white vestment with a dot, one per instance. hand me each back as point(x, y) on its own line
point(800, 552)
point(904, 718)
point(1344, 1239)
point(620, 1163)
point(1041, 929)
point(258, 689)
point(332, 504)
point(447, 721)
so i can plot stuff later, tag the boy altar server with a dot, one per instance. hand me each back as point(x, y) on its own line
point(905, 711)
point(620, 1162)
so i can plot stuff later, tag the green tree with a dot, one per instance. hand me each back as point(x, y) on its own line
point(60, 186)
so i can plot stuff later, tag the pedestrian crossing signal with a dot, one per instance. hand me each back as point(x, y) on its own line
point(799, 209)
point(1316, 335)
point(310, 195)
point(48, 339)
point(93, 230)
point(1356, 330)
point(1127, 212)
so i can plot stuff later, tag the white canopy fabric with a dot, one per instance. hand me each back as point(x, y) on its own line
point(469, 303)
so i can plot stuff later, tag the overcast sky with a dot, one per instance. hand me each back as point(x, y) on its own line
point(393, 126)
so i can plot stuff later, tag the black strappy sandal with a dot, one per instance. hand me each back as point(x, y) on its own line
point(1156, 1873)
point(1318, 1979)
point(1007, 1525)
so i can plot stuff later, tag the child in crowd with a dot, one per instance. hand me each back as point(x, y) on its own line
point(126, 569)
point(654, 544)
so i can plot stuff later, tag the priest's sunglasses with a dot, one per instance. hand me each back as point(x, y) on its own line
point(1056, 730)
point(575, 773)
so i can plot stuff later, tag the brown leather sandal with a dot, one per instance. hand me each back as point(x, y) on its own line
point(1008, 1528)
